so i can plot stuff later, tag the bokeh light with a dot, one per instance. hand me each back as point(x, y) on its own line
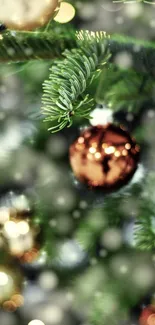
point(70, 255)
point(48, 280)
point(112, 239)
point(111, 6)
point(36, 322)
point(66, 13)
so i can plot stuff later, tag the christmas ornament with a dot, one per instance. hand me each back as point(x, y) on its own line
point(27, 14)
point(21, 236)
point(147, 316)
point(10, 283)
point(104, 157)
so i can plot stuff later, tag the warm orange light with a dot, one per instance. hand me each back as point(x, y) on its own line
point(97, 155)
point(30, 256)
point(128, 146)
point(117, 153)
point(81, 140)
point(9, 306)
point(18, 300)
point(124, 152)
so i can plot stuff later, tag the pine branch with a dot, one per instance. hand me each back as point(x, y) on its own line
point(129, 41)
point(65, 93)
point(108, 307)
point(142, 52)
point(70, 95)
point(124, 89)
point(18, 46)
point(144, 229)
point(90, 229)
point(152, 2)
point(48, 43)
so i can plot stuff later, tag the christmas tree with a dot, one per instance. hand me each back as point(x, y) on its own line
point(77, 162)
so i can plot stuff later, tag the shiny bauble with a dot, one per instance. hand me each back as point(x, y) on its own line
point(147, 316)
point(104, 156)
point(27, 14)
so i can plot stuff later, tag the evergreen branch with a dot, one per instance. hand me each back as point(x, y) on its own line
point(108, 306)
point(142, 52)
point(72, 97)
point(48, 43)
point(128, 41)
point(90, 229)
point(124, 89)
point(22, 46)
point(66, 91)
point(151, 2)
point(144, 234)
point(144, 229)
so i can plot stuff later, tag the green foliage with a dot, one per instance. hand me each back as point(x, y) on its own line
point(98, 220)
point(108, 307)
point(51, 40)
point(90, 229)
point(124, 89)
point(45, 43)
point(134, 1)
point(144, 229)
point(112, 209)
point(72, 89)
point(69, 94)
point(65, 93)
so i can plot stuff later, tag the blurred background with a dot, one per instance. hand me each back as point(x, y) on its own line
point(63, 277)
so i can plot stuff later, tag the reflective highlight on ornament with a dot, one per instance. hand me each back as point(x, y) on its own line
point(104, 156)
point(65, 14)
